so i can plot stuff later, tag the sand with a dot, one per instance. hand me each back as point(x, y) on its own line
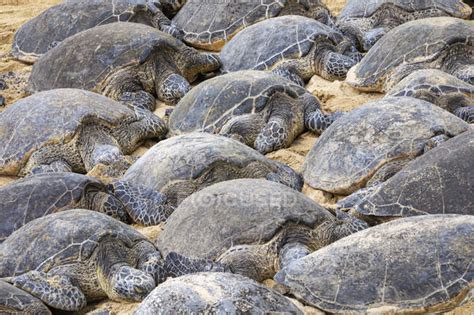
point(334, 96)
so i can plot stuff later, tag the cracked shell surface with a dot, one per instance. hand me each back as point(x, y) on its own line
point(36, 196)
point(415, 42)
point(86, 59)
point(439, 181)
point(241, 211)
point(263, 45)
point(209, 105)
point(61, 239)
point(356, 145)
point(214, 292)
point(70, 17)
point(356, 8)
point(411, 265)
point(52, 117)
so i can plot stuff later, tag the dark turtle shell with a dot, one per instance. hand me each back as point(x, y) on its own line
point(356, 145)
point(215, 293)
point(241, 211)
point(210, 24)
point(263, 45)
point(439, 181)
point(87, 58)
point(419, 41)
point(36, 196)
point(52, 117)
point(359, 9)
point(61, 238)
point(70, 17)
point(16, 301)
point(209, 105)
point(412, 265)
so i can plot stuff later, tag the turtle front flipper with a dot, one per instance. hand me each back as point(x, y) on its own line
point(176, 265)
point(106, 203)
point(161, 22)
point(144, 205)
point(282, 126)
point(314, 119)
point(55, 290)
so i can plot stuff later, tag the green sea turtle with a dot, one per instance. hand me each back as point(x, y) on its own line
point(412, 265)
point(182, 165)
point(70, 17)
point(439, 88)
point(209, 25)
point(214, 293)
point(439, 181)
point(374, 141)
point(444, 43)
point(252, 226)
point(16, 301)
point(74, 256)
point(260, 109)
point(128, 62)
point(71, 130)
point(367, 21)
point(292, 46)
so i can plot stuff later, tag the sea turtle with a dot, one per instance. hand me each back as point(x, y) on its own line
point(70, 130)
point(36, 196)
point(374, 141)
point(444, 43)
point(440, 181)
point(412, 265)
point(261, 109)
point(61, 21)
point(128, 62)
point(292, 46)
point(439, 88)
point(252, 226)
point(367, 21)
point(214, 293)
point(209, 25)
point(16, 301)
point(182, 165)
point(71, 257)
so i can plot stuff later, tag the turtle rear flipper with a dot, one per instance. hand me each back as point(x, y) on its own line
point(57, 291)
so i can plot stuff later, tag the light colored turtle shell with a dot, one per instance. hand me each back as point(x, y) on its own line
point(214, 293)
point(439, 181)
point(52, 117)
point(419, 41)
point(187, 157)
point(87, 58)
point(16, 301)
point(356, 145)
point(437, 87)
point(61, 238)
point(70, 17)
point(357, 8)
point(241, 211)
point(209, 105)
point(264, 44)
point(36, 196)
point(418, 264)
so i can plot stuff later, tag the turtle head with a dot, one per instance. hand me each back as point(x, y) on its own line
point(172, 88)
point(107, 204)
point(334, 66)
point(129, 284)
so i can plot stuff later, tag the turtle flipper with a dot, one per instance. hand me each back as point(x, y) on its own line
point(56, 291)
point(318, 122)
point(144, 205)
point(139, 99)
point(176, 265)
point(273, 136)
point(465, 113)
point(161, 22)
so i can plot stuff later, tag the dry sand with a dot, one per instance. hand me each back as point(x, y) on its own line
point(334, 96)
